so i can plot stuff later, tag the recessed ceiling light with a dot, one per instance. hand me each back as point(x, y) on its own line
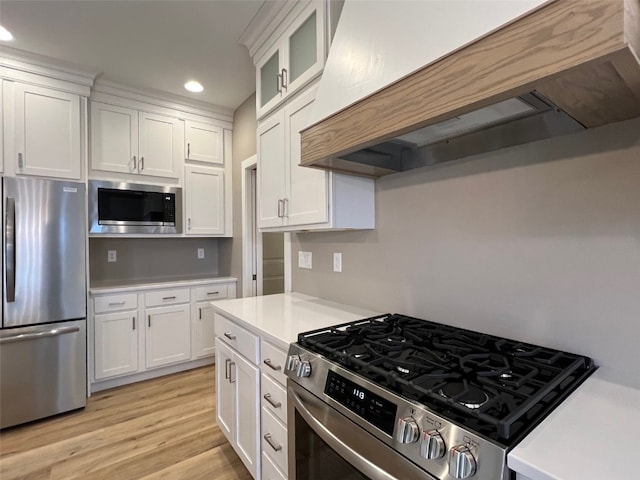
point(5, 35)
point(194, 86)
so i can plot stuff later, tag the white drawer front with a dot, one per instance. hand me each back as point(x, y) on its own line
point(272, 361)
point(269, 470)
point(274, 397)
point(211, 292)
point(242, 340)
point(166, 297)
point(113, 303)
point(274, 440)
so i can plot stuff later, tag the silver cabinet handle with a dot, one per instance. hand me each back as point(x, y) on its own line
point(149, 319)
point(271, 443)
point(20, 162)
point(10, 249)
point(133, 321)
point(141, 163)
point(232, 379)
point(169, 298)
point(213, 293)
point(284, 78)
point(280, 208)
point(115, 304)
point(189, 223)
point(226, 368)
point(267, 397)
point(285, 207)
point(189, 150)
point(33, 336)
point(268, 363)
point(229, 336)
point(135, 163)
point(199, 313)
point(279, 83)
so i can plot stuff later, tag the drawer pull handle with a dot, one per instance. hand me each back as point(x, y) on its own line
point(268, 363)
point(213, 293)
point(267, 397)
point(169, 298)
point(226, 368)
point(133, 319)
point(271, 443)
point(115, 304)
point(229, 336)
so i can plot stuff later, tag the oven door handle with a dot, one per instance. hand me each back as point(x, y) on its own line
point(349, 453)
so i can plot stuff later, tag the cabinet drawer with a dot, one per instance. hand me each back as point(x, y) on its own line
point(166, 297)
point(269, 470)
point(274, 440)
point(272, 361)
point(274, 397)
point(113, 303)
point(211, 292)
point(242, 340)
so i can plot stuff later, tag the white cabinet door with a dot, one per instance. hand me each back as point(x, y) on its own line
point(168, 335)
point(307, 200)
point(246, 377)
point(271, 171)
point(205, 207)
point(47, 132)
point(204, 142)
point(160, 145)
point(205, 335)
point(114, 138)
point(116, 344)
point(225, 396)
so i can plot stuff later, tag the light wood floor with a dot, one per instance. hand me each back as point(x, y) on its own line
point(162, 428)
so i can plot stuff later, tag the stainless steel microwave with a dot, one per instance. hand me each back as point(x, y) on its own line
point(131, 208)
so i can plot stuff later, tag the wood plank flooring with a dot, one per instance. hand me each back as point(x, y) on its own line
point(158, 429)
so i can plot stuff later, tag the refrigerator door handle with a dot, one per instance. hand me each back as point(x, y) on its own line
point(10, 249)
point(32, 336)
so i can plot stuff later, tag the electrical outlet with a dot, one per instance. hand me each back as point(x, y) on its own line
point(304, 260)
point(201, 253)
point(337, 262)
point(112, 256)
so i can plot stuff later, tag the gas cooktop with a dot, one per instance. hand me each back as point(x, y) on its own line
point(496, 387)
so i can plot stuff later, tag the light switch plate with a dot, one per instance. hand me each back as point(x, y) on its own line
point(337, 262)
point(304, 260)
point(112, 256)
point(201, 253)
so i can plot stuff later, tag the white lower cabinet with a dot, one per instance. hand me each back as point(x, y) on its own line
point(204, 326)
point(168, 335)
point(116, 346)
point(237, 404)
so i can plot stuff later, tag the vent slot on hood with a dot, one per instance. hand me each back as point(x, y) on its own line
point(515, 121)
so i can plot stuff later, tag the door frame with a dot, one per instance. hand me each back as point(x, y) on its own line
point(251, 237)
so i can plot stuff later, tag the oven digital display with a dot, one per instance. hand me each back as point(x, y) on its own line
point(373, 408)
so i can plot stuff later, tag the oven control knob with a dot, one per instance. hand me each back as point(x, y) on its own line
point(292, 363)
point(462, 463)
point(408, 430)
point(303, 369)
point(432, 445)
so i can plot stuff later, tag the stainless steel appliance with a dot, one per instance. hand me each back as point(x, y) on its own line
point(120, 207)
point(43, 337)
point(394, 397)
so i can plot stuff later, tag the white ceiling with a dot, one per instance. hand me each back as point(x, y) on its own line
point(144, 44)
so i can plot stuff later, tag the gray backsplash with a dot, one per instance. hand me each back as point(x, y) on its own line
point(148, 258)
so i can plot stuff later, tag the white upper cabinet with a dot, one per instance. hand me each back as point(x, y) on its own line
point(125, 140)
point(272, 170)
point(204, 142)
point(47, 132)
point(205, 200)
point(295, 57)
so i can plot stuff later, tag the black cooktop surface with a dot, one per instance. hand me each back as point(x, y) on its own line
point(495, 386)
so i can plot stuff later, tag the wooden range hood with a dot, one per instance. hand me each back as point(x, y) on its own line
point(582, 55)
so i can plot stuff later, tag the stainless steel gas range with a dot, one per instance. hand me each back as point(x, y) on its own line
point(395, 397)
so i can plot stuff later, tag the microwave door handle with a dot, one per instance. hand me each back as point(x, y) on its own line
point(10, 249)
point(322, 429)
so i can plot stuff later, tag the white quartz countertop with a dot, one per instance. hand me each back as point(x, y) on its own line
point(590, 436)
point(118, 286)
point(279, 318)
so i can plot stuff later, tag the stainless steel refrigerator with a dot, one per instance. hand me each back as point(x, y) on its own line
point(43, 366)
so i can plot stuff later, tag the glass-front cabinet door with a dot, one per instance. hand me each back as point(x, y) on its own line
point(270, 80)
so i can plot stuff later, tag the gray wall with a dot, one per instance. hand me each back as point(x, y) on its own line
point(151, 258)
point(244, 146)
point(539, 242)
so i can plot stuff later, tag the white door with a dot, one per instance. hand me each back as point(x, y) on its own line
point(2, 114)
point(160, 145)
point(308, 187)
point(225, 391)
point(271, 171)
point(204, 191)
point(168, 335)
point(246, 377)
point(114, 138)
point(203, 142)
point(116, 344)
point(205, 330)
point(47, 132)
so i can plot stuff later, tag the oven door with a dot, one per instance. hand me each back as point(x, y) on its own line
point(325, 445)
